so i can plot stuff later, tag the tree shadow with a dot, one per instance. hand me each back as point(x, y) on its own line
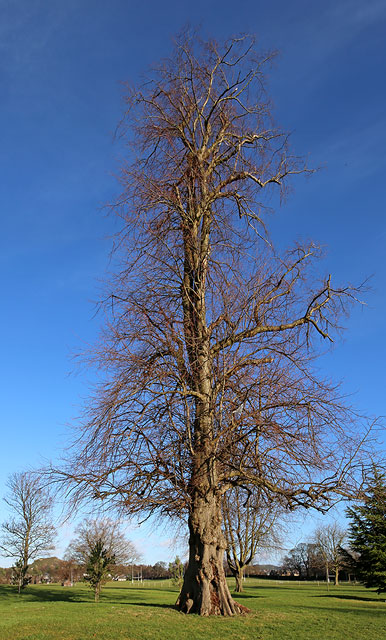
point(247, 596)
point(142, 589)
point(152, 605)
point(66, 594)
point(31, 594)
point(360, 612)
point(342, 596)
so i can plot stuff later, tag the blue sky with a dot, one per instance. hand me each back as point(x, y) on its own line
point(61, 69)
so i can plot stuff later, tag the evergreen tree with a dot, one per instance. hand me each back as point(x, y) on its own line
point(367, 534)
point(98, 566)
point(98, 546)
point(176, 570)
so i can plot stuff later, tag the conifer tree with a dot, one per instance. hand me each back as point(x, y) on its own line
point(98, 566)
point(98, 546)
point(367, 535)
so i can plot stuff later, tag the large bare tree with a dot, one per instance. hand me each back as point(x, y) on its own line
point(209, 335)
point(29, 532)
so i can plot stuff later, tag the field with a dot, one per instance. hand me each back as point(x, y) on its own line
point(280, 611)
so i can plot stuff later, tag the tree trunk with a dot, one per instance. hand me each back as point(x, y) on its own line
point(23, 568)
point(205, 590)
point(336, 576)
point(239, 580)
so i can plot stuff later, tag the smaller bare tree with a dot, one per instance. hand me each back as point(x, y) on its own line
point(249, 524)
point(98, 546)
point(303, 559)
point(329, 540)
point(29, 533)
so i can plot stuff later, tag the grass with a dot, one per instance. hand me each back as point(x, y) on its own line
point(280, 611)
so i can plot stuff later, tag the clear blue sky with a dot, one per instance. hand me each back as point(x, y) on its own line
point(61, 68)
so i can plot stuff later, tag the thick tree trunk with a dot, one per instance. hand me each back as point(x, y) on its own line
point(205, 590)
point(336, 576)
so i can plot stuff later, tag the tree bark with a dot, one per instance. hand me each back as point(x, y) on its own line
point(205, 590)
point(239, 580)
point(336, 576)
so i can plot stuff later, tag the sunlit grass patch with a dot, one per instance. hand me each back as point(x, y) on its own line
point(285, 611)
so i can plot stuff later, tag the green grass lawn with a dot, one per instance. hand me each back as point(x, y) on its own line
point(280, 611)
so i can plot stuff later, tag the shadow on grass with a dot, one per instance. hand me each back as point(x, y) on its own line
point(359, 612)
point(82, 596)
point(143, 589)
point(246, 595)
point(154, 605)
point(31, 594)
point(342, 596)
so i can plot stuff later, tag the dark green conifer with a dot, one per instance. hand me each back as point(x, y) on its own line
point(98, 566)
point(367, 534)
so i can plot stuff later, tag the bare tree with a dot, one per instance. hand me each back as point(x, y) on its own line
point(303, 559)
point(100, 544)
point(114, 541)
point(29, 533)
point(250, 524)
point(330, 540)
point(209, 334)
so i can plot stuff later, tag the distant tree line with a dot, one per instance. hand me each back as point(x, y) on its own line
point(100, 551)
point(53, 569)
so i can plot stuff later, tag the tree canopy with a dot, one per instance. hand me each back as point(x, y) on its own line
point(109, 533)
point(209, 334)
